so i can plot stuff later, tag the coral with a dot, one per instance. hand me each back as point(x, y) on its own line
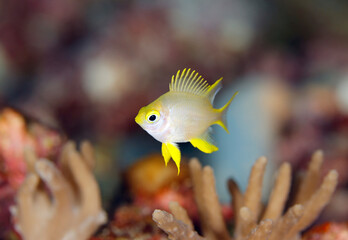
point(328, 231)
point(60, 203)
point(175, 229)
point(213, 225)
point(132, 222)
point(252, 220)
point(163, 185)
point(17, 137)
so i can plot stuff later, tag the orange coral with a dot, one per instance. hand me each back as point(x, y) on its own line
point(328, 231)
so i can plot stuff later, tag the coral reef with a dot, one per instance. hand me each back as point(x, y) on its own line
point(153, 185)
point(63, 203)
point(252, 220)
point(149, 185)
point(58, 196)
point(17, 137)
point(131, 222)
point(328, 231)
point(175, 228)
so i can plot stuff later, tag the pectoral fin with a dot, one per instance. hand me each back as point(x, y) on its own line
point(171, 150)
point(204, 143)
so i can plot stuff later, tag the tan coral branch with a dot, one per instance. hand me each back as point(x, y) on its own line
point(279, 193)
point(197, 181)
point(247, 216)
point(252, 196)
point(286, 222)
point(237, 197)
point(180, 214)
point(246, 223)
point(316, 203)
point(212, 205)
point(176, 229)
point(262, 231)
point(209, 208)
point(311, 180)
point(73, 211)
point(87, 153)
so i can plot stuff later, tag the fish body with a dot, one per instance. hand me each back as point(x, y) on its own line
point(184, 114)
point(184, 121)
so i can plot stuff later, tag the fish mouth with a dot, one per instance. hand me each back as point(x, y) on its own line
point(138, 119)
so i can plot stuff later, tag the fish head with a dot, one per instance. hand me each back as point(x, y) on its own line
point(152, 118)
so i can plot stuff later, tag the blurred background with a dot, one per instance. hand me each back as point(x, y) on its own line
point(87, 67)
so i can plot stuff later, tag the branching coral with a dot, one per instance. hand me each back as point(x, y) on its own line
point(212, 223)
point(72, 210)
point(310, 200)
point(252, 220)
point(16, 136)
point(175, 228)
point(209, 208)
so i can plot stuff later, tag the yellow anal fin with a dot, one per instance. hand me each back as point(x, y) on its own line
point(171, 150)
point(165, 153)
point(204, 143)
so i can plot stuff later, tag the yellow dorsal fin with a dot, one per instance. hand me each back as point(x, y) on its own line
point(171, 150)
point(213, 90)
point(190, 82)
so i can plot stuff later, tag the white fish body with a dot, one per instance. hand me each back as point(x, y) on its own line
point(185, 121)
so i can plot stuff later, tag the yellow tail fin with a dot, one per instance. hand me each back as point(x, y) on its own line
point(223, 121)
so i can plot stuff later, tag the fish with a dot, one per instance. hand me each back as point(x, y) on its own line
point(184, 114)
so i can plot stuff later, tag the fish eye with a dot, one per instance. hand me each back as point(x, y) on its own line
point(152, 116)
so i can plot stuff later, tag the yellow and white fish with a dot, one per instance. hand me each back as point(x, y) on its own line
point(184, 114)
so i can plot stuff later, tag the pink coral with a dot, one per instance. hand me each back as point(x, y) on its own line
point(16, 137)
point(13, 139)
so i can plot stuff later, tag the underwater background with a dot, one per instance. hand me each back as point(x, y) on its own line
point(85, 68)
